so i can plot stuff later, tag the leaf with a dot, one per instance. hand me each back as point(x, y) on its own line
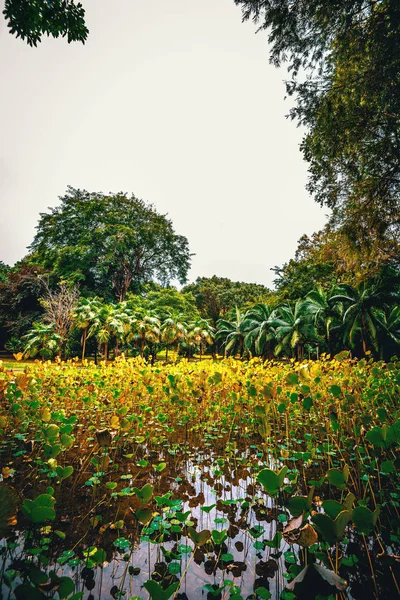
point(363, 519)
point(156, 591)
point(292, 379)
point(122, 543)
point(263, 593)
point(208, 509)
point(325, 527)
point(64, 473)
point(66, 588)
point(199, 538)
point(332, 508)
point(281, 475)
point(341, 523)
point(349, 501)
point(219, 536)
point(269, 481)
point(336, 478)
point(331, 577)
point(145, 493)
point(143, 515)
point(298, 505)
point(308, 536)
point(293, 524)
point(114, 423)
point(39, 514)
point(376, 436)
point(290, 586)
point(160, 467)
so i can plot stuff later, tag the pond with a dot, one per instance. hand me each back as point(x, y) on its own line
point(207, 499)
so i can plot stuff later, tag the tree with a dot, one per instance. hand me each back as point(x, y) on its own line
point(59, 310)
point(84, 316)
point(110, 320)
point(389, 330)
point(256, 325)
point(293, 329)
point(200, 334)
point(165, 302)
point(344, 60)
point(20, 293)
point(360, 317)
point(146, 330)
point(110, 244)
point(173, 331)
point(324, 313)
point(31, 19)
point(232, 335)
point(4, 271)
point(43, 340)
point(218, 296)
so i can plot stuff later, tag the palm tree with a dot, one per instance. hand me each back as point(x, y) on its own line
point(232, 334)
point(84, 316)
point(323, 312)
point(107, 322)
point(122, 324)
point(293, 329)
point(173, 331)
point(146, 329)
point(389, 324)
point(43, 340)
point(360, 317)
point(200, 334)
point(256, 325)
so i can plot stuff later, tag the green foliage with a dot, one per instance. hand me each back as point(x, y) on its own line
point(271, 481)
point(218, 297)
point(111, 244)
point(349, 101)
point(31, 19)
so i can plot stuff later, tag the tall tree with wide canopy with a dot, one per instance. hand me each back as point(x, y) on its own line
point(110, 244)
point(344, 62)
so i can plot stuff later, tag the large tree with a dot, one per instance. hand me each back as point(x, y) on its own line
point(31, 19)
point(344, 63)
point(110, 244)
point(20, 290)
point(217, 297)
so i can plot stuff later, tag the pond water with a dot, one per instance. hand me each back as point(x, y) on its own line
point(198, 489)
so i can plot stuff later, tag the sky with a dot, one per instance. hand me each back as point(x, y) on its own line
point(174, 101)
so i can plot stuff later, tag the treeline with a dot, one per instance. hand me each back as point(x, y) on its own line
point(364, 319)
point(97, 281)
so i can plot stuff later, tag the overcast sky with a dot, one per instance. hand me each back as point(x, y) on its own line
point(173, 100)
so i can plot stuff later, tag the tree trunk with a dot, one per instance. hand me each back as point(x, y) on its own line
point(84, 344)
point(105, 351)
point(166, 353)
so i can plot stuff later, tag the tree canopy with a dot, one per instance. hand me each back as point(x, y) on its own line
point(344, 61)
point(31, 19)
point(216, 296)
point(110, 244)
